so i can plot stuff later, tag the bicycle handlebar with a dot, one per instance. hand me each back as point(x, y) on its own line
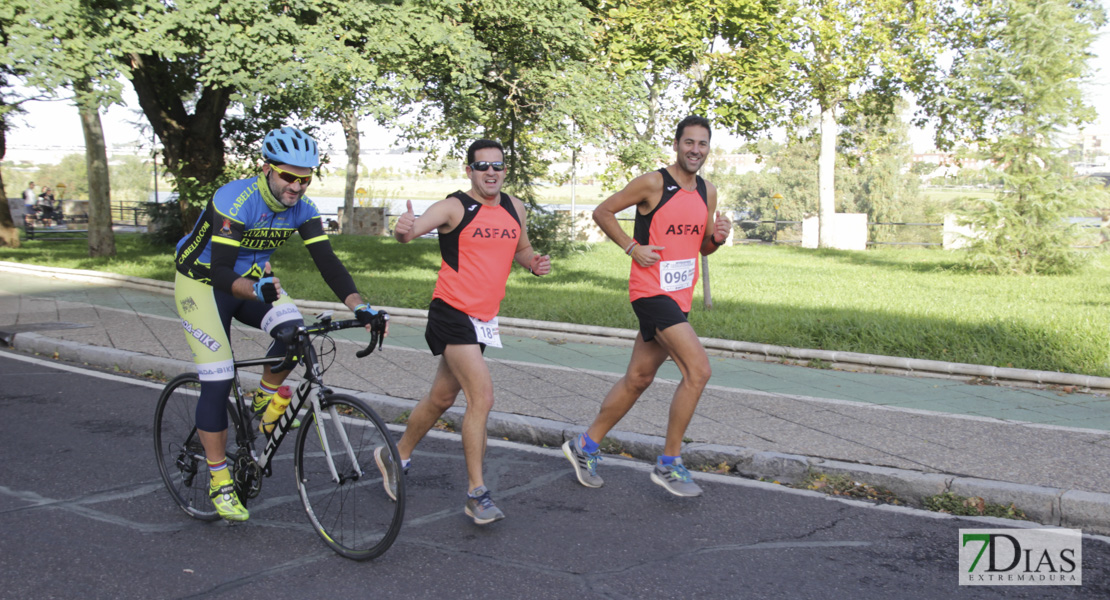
point(297, 338)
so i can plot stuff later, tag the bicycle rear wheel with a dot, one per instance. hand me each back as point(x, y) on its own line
point(178, 450)
point(353, 515)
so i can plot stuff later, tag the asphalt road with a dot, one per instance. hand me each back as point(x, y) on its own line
point(84, 514)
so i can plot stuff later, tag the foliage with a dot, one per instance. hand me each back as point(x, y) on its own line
point(163, 223)
point(973, 506)
point(516, 72)
point(1013, 87)
point(791, 172)
point(195, 193)
point(857, 56)
point(131, 179)
point(551, 233)
point(842, 485)
point(720, 58)
point(876, 145)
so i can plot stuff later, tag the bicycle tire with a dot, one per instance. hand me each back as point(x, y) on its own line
point(354, 516)
point(177, 448)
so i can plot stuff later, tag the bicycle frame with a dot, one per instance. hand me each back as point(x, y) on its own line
point(245, 435)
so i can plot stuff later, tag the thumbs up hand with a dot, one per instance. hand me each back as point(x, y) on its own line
point(404, 223)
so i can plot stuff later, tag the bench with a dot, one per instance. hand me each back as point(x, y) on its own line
point(49, 233)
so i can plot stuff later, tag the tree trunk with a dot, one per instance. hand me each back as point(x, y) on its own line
point(102, 241)
point(192, 144)
point(9, 233)
point(349, 120)
point(826, 164)
point(707, 296)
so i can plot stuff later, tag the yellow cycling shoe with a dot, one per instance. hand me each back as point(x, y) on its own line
point(227, 503)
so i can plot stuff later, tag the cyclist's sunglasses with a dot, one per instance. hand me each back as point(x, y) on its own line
point(484, 165)
point(288, 177)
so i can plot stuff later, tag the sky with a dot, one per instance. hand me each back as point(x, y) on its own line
point(53, 129)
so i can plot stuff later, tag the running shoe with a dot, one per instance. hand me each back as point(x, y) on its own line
point(585, 463)
point(389, 471)
point(675, 479)
point(482, 509)
point(227, 503)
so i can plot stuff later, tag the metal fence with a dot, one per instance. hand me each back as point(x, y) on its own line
point(129, 213)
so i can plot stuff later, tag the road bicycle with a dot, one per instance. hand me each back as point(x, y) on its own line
point(339, 482)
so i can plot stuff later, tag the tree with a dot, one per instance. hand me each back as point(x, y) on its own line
point(69, 45)
point(362, 59)
point(876, 147)
point(846, 50)
point(9, 234)
point(530, 71)
point(189, 62)
point(719, 58)
point(1013, 88)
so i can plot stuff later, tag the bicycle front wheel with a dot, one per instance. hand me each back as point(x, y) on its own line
point(348, 506)
point(178, 450)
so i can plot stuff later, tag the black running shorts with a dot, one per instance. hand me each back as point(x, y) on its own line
point(448, 325)
point(657, 313)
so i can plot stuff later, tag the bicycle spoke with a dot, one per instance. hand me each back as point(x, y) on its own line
point(353, 515)
point(178, 450)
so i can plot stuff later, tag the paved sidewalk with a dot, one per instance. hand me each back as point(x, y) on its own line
point(1046, 450)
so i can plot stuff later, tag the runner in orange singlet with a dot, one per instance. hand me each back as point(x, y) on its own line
point(674, 224)
point(481, 233)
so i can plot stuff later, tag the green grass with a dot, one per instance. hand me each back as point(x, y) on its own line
point(914, 303)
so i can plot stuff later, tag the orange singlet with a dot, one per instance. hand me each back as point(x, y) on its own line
point(677, 224)
point(477, 257)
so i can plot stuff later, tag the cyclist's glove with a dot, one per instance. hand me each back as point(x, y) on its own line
point(376, 319)
point(265, 290)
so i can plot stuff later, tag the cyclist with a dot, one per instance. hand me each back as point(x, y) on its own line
point(223, 271)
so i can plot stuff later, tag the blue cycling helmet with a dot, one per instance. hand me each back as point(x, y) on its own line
point(290, 146)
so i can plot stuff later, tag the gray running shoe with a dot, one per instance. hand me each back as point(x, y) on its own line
point(585, 463)
point(482, 509)
point(389, 470)
point(675, 479)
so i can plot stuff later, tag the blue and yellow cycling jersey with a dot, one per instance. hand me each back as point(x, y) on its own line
point(242, 215)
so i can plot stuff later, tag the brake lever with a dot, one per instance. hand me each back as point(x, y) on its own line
point(377, 336)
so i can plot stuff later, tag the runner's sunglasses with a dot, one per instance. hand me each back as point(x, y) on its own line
point(288, 177)
point(484, 165)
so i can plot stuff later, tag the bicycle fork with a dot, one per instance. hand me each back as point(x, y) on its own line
point(333, 414)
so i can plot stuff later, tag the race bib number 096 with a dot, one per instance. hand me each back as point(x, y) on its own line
point(677, 275)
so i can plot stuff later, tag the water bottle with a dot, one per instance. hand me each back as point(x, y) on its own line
point(275, 409)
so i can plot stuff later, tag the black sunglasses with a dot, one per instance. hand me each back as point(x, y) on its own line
point(484, 165)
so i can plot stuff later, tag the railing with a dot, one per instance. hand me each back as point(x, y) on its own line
point(129, 212)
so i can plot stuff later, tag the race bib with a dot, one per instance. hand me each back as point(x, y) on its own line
point(677, 275)
point(488, 331)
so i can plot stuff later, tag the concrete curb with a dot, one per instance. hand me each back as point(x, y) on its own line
point(1089, 511)
point(851, 361)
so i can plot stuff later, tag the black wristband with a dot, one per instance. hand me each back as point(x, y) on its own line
point(713, 238)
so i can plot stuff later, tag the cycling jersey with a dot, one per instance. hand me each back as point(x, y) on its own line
point(244, 214)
